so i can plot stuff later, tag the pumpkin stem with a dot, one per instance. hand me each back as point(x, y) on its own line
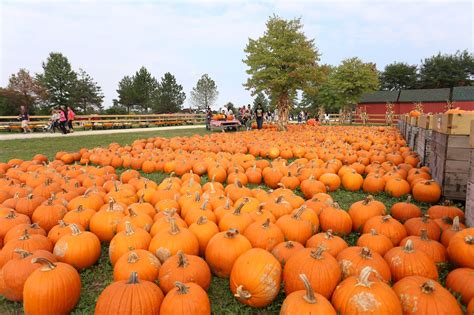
point(47, 264)
point(299, 212)
point(231, 233)
point(197, 196)
point(75, 230)
point(62, 224)
point(424, 235)
point(309, 297)
point(364, 275)
point(386, 218)
point(366, 253)
point(133, 278)
point(329, 234)
point(25, 235)
point(131, 212)
point(174, 227)
point(318, 253)
point(428, 287)
point(182, 260)
point(289, 244)
point(182, 288)
point(80, 208)
point(132, 258)
point(34, 226)
point(280, 199)
point(373, 232)
point(29, 197)
point(408, 248)
point(204, 204)
point(266, 224)
point(129, 228)
point(202, 220)
point(456, 226)
point(11, 215)
point(425, 218)
point(23, 253)
point(239, 208)
point(367, 200)
point(227, 203)
point(469, 239)
point(242, 294)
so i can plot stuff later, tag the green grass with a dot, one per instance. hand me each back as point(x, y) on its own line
point(27, 148)
point(96, 278)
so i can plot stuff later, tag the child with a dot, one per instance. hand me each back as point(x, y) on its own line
point(70, 118)
point(24, 118)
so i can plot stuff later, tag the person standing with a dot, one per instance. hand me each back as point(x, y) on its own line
point(208, 118)
point(24, 118)
point(259, 113)
point(70, 118)
point(62, 120)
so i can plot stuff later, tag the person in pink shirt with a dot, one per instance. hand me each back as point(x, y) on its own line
point(62, 120)
point(70, 118)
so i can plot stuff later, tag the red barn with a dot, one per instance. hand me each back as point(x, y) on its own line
point(433, 100)
point(463, 97)
point(376, 102)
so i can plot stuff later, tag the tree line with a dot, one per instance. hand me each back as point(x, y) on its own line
point(284, 65)
point(59, 85)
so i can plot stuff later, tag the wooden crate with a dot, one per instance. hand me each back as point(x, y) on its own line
point(425, 121)
point(453, 124)
point(449, 163)
point(413, 136)
point(470, 184)
point(423, 145)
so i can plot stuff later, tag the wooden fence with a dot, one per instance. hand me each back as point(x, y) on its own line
point(373, 119)
point(88, 122)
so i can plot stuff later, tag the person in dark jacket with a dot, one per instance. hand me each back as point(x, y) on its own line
point(259, 113)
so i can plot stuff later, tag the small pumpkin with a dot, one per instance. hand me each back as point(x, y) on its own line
point(141, 261)
point(184, 299)
point(204, 230)
point(264, 235)
point(435, 250)
point(284, 250)
point(405, 210)
point(387, 226)
point(295, 228)
point(332, 243)
point(378, 243)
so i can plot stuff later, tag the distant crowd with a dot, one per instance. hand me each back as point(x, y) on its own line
point(246, 116)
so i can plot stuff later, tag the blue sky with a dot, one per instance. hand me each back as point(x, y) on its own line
point(110, 39)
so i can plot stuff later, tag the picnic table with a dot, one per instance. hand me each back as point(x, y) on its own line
point(225, 125)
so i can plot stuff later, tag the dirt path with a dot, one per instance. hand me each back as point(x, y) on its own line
point(38, 135)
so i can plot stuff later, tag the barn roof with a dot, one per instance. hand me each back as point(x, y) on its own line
point(380, 97)
point(463, 93)
point(424, 95)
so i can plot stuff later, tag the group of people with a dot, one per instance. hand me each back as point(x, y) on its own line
point(61, 118)
point(245, 115)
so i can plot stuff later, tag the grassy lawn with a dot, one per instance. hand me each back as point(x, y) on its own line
point(96, 278)
point(27, 148)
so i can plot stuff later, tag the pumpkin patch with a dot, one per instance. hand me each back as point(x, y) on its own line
point(319, 218)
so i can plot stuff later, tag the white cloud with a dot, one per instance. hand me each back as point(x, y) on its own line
point(188, 38)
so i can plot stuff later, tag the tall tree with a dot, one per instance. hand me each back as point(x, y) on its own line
point(351, 79)
point(29, 88)
point(312, 95)
point(144, 86)
point(441, 71)
point(86, 95)
point(126, 94)
point(10, 102)
point(398, 76)
point(205, 93)
point(281, 62)
point(58, 78)
point(169, 96)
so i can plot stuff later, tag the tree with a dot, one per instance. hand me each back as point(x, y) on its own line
point(169, 96)
point(30, 90)
point(86, 95)
point(350, 80)
point(126, 94)
point(10, 102)
point(232, 107)
point(314, 96)
point(398, 76)
point(144, 86)
point(281, 62)
point(205, 93)
point(58, 78)
point(441, 71)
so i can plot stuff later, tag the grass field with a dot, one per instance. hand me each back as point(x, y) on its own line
point(96, 278)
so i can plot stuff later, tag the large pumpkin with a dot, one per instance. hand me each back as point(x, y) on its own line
point(420, 295)
point(246, 278)
point(54, 288)
point(131, 296)
point(461, 280)
point(223, 249)
point(184, 268)
point(323, 270)
point(461, 248)
point(184, 299)
point(129, 239)
point(306, 302)
point(359, 295)
point(354, 259)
